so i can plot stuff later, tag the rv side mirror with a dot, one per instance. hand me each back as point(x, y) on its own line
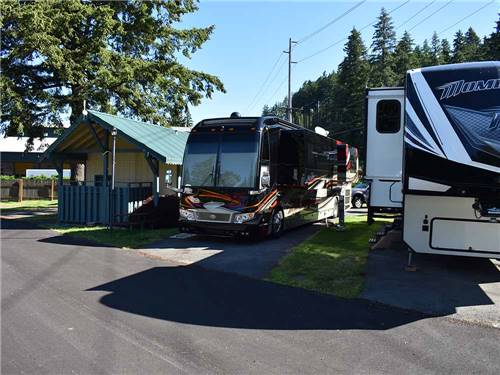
point(265, 179)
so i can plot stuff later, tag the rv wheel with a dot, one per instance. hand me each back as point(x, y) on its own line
point(277, 223)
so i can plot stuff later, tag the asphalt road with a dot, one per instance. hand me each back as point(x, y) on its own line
point(69, 308)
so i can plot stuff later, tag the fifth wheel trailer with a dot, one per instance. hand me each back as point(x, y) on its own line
point(448, 150)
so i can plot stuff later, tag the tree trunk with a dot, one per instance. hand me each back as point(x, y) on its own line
point(77, 172)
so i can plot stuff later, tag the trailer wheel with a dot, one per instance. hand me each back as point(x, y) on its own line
point(277, 223)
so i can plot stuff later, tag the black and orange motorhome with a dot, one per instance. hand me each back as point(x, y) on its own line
point(258, 176)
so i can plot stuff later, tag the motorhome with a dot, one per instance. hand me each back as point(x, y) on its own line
point(433, 153)
point(258, 176)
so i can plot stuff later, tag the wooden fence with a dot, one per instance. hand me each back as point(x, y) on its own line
point(25, 189)
point(93, 204)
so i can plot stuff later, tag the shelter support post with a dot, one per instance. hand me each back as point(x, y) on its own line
point(59, 165)
point(154, 164)
point(105, 160)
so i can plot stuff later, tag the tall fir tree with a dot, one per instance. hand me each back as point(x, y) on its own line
point(459, 49)
point(352, 79)
point(404, 57)
point(121, 56)
point(426, 54)
point(188, 119)
point(266, 110)
point(492, 43)
point(446, 51)
point(473, 50)
point(436, 50)
point(382, 49)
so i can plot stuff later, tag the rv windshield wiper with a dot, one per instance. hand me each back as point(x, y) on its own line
point(211, 174)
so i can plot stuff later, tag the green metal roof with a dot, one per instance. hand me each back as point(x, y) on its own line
point(165, 144)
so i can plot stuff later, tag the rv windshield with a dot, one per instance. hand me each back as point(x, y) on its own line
point(236, 156)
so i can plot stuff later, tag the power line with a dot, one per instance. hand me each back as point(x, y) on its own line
point(276, 91)
point(430, 15)
point(416, 14)
point(467, 16)
point(344, 39)
point(276, 74)
point(331, 22)
point(265, 81)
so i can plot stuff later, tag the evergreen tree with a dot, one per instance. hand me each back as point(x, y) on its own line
point(417, 53)
point(278, 109)
point(188, 120)
point(426, 54)
point(436, 51)
point(121, 56)
point(266, 111)
point(445, 51)
point(459, 50)
point(492, 44)
point(472, 45)
point(384, 42)
point(404, 57)
point(352, 78)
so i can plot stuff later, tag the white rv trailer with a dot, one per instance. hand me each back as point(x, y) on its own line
point(384, 158)
point(448, 153)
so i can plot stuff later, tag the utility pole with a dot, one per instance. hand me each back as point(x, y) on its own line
point(290, 62)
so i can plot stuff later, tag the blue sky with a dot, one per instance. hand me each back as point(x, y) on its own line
point(250, 35)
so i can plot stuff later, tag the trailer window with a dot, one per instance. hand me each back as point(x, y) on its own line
point(388, 116)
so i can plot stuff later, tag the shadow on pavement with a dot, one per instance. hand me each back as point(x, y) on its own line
point(72, 241)
point(440, 285)
point(194, 295)
point(18, 224)
point(465, 287)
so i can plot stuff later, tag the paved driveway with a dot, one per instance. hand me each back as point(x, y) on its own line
point(69, 308)
point(244, 257)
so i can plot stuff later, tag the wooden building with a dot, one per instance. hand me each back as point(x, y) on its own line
point(147, 161)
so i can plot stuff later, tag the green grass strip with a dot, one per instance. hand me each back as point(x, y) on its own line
point(331, 261)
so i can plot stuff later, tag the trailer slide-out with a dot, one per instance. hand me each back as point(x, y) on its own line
point(433, 152)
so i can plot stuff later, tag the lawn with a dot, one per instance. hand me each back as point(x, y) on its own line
point(118, 237)
point(121, 237)
point(27, 205)
point(331, 261)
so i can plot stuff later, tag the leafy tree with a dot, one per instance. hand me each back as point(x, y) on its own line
point(383, 44)
point(119, 56)
point(404, 57)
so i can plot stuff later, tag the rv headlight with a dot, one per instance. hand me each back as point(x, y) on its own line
point(187, 214)
point(241, 218)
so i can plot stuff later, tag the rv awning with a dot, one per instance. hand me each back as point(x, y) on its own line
point(165, 144)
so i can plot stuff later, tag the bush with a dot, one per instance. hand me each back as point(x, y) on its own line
point(33, 178)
